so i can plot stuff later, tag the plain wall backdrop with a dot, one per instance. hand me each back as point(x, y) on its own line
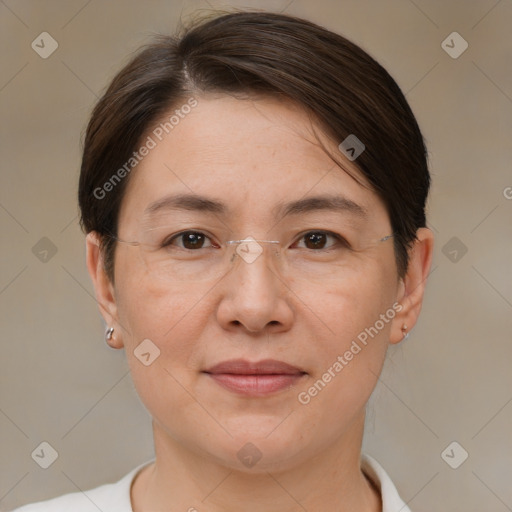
point(451, 380)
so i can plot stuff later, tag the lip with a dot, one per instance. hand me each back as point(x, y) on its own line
point(259, 378)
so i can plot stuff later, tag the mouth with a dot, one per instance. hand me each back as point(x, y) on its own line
point(258, 378)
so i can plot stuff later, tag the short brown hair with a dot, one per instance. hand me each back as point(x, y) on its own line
point(282, 56)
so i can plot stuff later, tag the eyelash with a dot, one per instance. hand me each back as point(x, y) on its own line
point(339, 239)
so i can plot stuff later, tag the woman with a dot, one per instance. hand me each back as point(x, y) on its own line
point(253, 194)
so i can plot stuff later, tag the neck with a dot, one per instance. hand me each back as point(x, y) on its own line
point(180, 479)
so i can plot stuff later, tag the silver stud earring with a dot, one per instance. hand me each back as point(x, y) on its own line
point(404, 332)
point(109, 334)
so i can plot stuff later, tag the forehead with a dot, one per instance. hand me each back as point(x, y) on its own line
point(256, 156)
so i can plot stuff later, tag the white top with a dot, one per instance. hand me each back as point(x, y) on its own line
point(116, 497)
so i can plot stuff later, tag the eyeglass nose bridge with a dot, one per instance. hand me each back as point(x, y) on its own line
point(249, 249)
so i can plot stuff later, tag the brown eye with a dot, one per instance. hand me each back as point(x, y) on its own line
point(189, 240)
point(317, 240)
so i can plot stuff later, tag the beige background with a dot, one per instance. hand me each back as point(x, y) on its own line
point(450, 381)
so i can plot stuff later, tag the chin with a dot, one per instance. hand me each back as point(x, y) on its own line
point(256, 448)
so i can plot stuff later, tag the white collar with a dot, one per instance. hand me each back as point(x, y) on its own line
point(116, 497)
point(391, 501)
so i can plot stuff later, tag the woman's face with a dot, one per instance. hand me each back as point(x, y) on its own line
point(306, 308)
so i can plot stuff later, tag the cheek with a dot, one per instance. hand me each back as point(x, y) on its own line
point(172, 317)
point(173, 320)
point(356, 317)
point(351, 305)
point(152, 308)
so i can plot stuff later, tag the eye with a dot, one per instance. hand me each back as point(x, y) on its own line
point(190, 240)
point(317, 240)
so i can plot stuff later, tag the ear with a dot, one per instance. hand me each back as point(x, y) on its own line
point(412, 286)
point(104, 289)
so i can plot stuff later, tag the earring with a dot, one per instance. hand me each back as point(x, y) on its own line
point(109, 334)
point(404, 332)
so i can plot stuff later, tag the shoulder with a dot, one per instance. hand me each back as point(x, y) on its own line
point(114, 497)
point(391, 500)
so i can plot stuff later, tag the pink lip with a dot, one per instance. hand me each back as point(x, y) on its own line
point(255, 378)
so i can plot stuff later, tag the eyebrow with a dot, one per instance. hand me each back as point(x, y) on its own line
point(194, 202)
point(324, 202)
point(190, 202)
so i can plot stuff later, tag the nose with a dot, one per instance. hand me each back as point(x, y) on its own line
point(253, 295)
